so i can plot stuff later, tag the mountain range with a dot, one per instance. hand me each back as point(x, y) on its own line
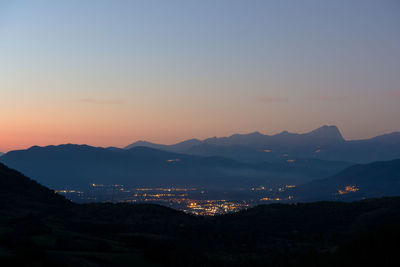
point(325, 143)
point(219, 163)
point(77, 166)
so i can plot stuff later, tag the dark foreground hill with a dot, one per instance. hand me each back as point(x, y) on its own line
point(357, 182)
point(19, 191)
point(47, 230)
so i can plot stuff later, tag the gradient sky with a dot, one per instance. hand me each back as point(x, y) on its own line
point(113, 72)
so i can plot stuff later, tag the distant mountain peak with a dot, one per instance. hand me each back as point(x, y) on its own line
point(326, 128)
point(256, 133)
point(62, 146)
point(328, 132)
point(253, 134)
point(174, 148)
point(191, 141)
point(142, 142)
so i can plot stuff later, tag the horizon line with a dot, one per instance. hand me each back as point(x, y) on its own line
point(198, 139)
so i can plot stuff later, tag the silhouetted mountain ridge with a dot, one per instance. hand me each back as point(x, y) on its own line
point(70, 166)
point(182, 146)
point(326, 143)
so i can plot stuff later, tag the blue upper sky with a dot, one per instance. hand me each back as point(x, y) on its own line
point(111, 72)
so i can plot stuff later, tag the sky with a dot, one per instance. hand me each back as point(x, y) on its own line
point(108, 73)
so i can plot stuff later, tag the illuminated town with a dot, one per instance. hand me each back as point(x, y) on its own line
point(190, 200)
point(348, 189)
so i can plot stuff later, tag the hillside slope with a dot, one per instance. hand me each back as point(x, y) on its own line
point(19, 193)
point(360, 181)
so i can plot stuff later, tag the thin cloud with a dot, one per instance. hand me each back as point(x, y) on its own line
point(104, 102)
point(326, 98)
point(393, 93)
point(273, 99)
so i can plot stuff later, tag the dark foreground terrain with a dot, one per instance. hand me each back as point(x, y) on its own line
point(41, 228)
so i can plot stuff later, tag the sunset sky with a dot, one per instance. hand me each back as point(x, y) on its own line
point(108, 73)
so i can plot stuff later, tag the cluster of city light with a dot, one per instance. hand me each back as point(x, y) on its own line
point(165, 189)
point(270, 199)
point(170, 201)
point(258, 188)
point(276, 198)
point(280, 189)
point(348, 189)
point(284, 188)
point(214, 207)
point(68, 191)
point(190, 200)
point(107, 185)
point(160, 195)
point(173, 160)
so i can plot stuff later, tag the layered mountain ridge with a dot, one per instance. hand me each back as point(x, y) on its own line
point(72, 166)
point(325, 143)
